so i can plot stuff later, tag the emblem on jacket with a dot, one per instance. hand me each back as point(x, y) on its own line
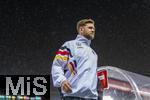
point(79, 45)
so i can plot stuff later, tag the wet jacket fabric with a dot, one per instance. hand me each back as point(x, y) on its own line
point(79, 61)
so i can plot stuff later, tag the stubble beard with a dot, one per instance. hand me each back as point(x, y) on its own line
point(89, 36)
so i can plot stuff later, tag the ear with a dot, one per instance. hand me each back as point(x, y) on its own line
point(81, 29)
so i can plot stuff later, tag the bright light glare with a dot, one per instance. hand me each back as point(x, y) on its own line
point(107, 98)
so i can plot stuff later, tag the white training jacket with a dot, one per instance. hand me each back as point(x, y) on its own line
point(80, 62)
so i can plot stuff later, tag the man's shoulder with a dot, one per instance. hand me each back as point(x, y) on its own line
point(70, 42)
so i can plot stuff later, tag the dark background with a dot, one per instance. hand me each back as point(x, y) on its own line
point(31, 31)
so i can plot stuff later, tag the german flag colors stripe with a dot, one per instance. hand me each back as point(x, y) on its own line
point(59, 57)
point(63, 53)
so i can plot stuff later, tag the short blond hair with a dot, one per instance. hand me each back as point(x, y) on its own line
point(83, 22)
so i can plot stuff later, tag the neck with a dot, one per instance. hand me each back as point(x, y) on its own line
point(83, 39)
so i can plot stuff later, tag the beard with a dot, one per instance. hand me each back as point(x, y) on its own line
point(89, 36)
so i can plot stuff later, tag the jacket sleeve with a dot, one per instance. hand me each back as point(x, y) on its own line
point(59, 64)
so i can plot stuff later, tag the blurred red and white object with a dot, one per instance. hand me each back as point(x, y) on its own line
point(103, 77)
point(122, 85)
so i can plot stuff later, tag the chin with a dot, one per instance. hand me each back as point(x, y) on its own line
point(92, 37)
point(89, 37)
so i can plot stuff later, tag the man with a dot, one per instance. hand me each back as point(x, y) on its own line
point(79, 61)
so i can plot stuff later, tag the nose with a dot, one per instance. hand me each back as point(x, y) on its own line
point(93, 30)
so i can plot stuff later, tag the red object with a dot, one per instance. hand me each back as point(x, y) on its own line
point(103, 77)
point(63, 52)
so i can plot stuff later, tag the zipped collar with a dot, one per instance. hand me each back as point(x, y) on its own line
point(83, 40)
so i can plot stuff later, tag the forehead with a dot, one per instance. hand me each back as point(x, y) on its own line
point(89, 24)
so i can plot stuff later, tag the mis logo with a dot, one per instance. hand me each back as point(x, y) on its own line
point(21, 82)
point(25, 86)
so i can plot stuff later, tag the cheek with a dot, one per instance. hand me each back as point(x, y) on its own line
point(88, 31)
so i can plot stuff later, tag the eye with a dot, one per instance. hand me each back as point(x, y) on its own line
point(91, 28)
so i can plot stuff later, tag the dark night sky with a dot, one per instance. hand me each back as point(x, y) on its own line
point(31, 31)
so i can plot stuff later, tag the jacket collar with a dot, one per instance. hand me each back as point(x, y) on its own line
point(83, 39)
